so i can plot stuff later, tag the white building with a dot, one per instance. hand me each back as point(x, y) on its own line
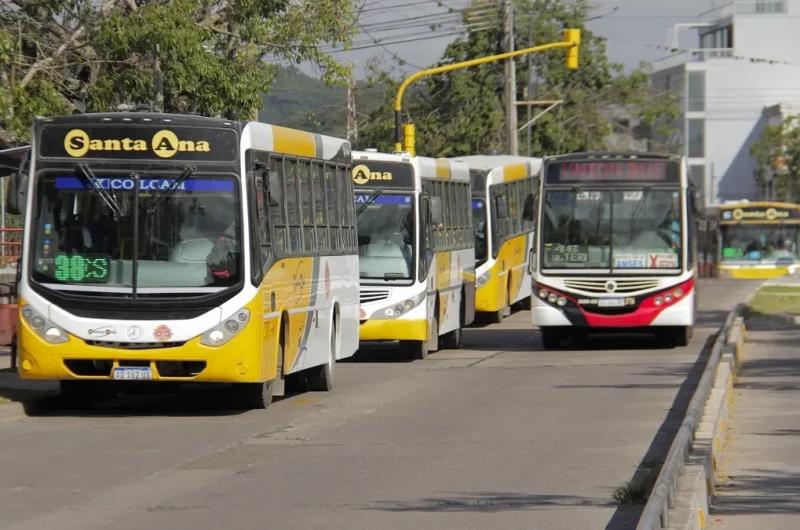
point(748, 59)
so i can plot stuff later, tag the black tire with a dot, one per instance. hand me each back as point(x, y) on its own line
point(321, 378)
point(414, 349)
point(682, 335)
point(525, 304)
point(551, 338)
point(248, 396)
point(496, 317)
point(433, 338)
point(452, 339)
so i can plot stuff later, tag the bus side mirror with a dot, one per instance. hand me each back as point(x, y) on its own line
point(532, 262)
point(16, 198)
point(437, 215)
point(527, 210)
point(501, 207)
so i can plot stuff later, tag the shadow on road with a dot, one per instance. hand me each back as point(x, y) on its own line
point(487, 502)
point(778, 492)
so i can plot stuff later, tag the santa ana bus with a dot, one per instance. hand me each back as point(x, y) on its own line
point(615, 246)
point(758, 240)
point(175, 248)
point(416, 250)
point(503, 189)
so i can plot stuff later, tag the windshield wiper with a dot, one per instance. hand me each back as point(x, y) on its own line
point(102, 192)
point(369, 200)
point(188, 171)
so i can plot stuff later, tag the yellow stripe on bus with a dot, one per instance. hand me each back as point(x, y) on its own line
point(442, 168)
point(514, 172)
point(293, 142)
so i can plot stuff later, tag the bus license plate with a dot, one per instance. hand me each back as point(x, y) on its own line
point(611, 302)
point(133, 373)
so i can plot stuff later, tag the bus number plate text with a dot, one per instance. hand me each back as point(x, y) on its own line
point(133, 373)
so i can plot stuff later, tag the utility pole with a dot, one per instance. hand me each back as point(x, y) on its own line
point(512, 141)
point(352, 122)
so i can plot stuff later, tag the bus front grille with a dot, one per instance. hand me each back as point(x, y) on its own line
point(612, 286)
point(373, 295)
point(134, 345)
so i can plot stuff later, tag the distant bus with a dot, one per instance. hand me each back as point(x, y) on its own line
point(173, 248)
point(758, 240)
point(616, 246)
point(416, 250)
point(503, 189)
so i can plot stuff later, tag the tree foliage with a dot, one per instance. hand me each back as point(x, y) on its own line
point(462, 112)
point(216, 56)
point(777, 154)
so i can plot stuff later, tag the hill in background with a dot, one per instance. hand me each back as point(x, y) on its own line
point(302, 102)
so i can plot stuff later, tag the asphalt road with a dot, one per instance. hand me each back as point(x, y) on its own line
point(498, 435)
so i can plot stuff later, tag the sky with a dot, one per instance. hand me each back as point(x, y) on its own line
point(637, 30)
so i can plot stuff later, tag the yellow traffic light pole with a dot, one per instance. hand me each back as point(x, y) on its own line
point(404, 135)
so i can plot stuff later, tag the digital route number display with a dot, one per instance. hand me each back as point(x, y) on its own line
point(617, 171)
point(87, 268)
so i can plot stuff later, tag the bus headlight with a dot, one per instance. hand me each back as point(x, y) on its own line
point(561, 301)
point(43, 327)
point(482, 279)
point(400, 308)
point(229, 328)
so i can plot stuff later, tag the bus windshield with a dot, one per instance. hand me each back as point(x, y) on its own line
point(188, 232)
point(612, 229)
point(385, 236)
point(479, 227)
point(760, 243)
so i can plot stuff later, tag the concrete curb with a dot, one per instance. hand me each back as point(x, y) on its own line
point(12, 410)
point(683, 499)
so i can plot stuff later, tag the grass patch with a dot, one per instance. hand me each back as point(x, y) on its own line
point(776, 299)
point(631, 493)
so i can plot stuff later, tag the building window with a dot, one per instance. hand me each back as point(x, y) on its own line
point(697, 91)
point(696, 138)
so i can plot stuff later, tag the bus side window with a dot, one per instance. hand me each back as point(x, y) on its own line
point(277, 208)
point(320, 206)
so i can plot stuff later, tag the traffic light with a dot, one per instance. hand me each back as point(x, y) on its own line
point(572, 35)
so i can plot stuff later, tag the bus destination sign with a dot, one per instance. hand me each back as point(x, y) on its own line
point(618, 171)
point(136, 142)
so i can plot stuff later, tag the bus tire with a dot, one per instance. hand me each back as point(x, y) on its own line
point(433, 338)
point(525, 304)
point(452, 339)
point(682, 335)
point(414, 349)
point(248, 396)
point(496, 317)
point(321, 378)
point(551, 337)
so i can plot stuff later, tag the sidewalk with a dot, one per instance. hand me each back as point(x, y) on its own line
point(761, 464)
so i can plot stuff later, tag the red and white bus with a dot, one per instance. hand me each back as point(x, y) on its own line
point(615, 246)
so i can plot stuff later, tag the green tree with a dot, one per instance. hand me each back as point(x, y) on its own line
point(462, 112)
point(216, 56)
point(777, 154)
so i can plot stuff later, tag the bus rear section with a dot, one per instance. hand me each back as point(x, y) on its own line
point(503, 218)
point(615, 247)
point(167, 248)
point(416, 256)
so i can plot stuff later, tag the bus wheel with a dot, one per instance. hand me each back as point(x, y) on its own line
point(433, 337)
point(414, 349)
point(452, 339)
point(495, 317)
point(525, 303)
point(551, 338)
point(682, 335)
point(252, 395)
point(321, 378)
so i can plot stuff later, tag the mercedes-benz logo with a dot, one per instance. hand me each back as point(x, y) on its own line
point(134, 332)
point(611, 286)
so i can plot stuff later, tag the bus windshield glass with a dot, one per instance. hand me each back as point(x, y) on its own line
point(188, 232)
point(612, 229)
point(760, 243)
point(385, 236)
point(479, 227)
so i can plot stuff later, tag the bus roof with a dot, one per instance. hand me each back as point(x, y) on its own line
point(490, 162)
point(139, 117)
point(424, 166)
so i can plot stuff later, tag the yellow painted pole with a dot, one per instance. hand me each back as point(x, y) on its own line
point(572, 39)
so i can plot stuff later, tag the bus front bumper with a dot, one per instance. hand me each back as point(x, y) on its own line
point(396, 329)
point(237, 361)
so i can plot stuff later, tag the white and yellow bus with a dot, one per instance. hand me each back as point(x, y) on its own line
point(758, 240)
point(174, 248)
point(416, 250)
point(503, 190)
